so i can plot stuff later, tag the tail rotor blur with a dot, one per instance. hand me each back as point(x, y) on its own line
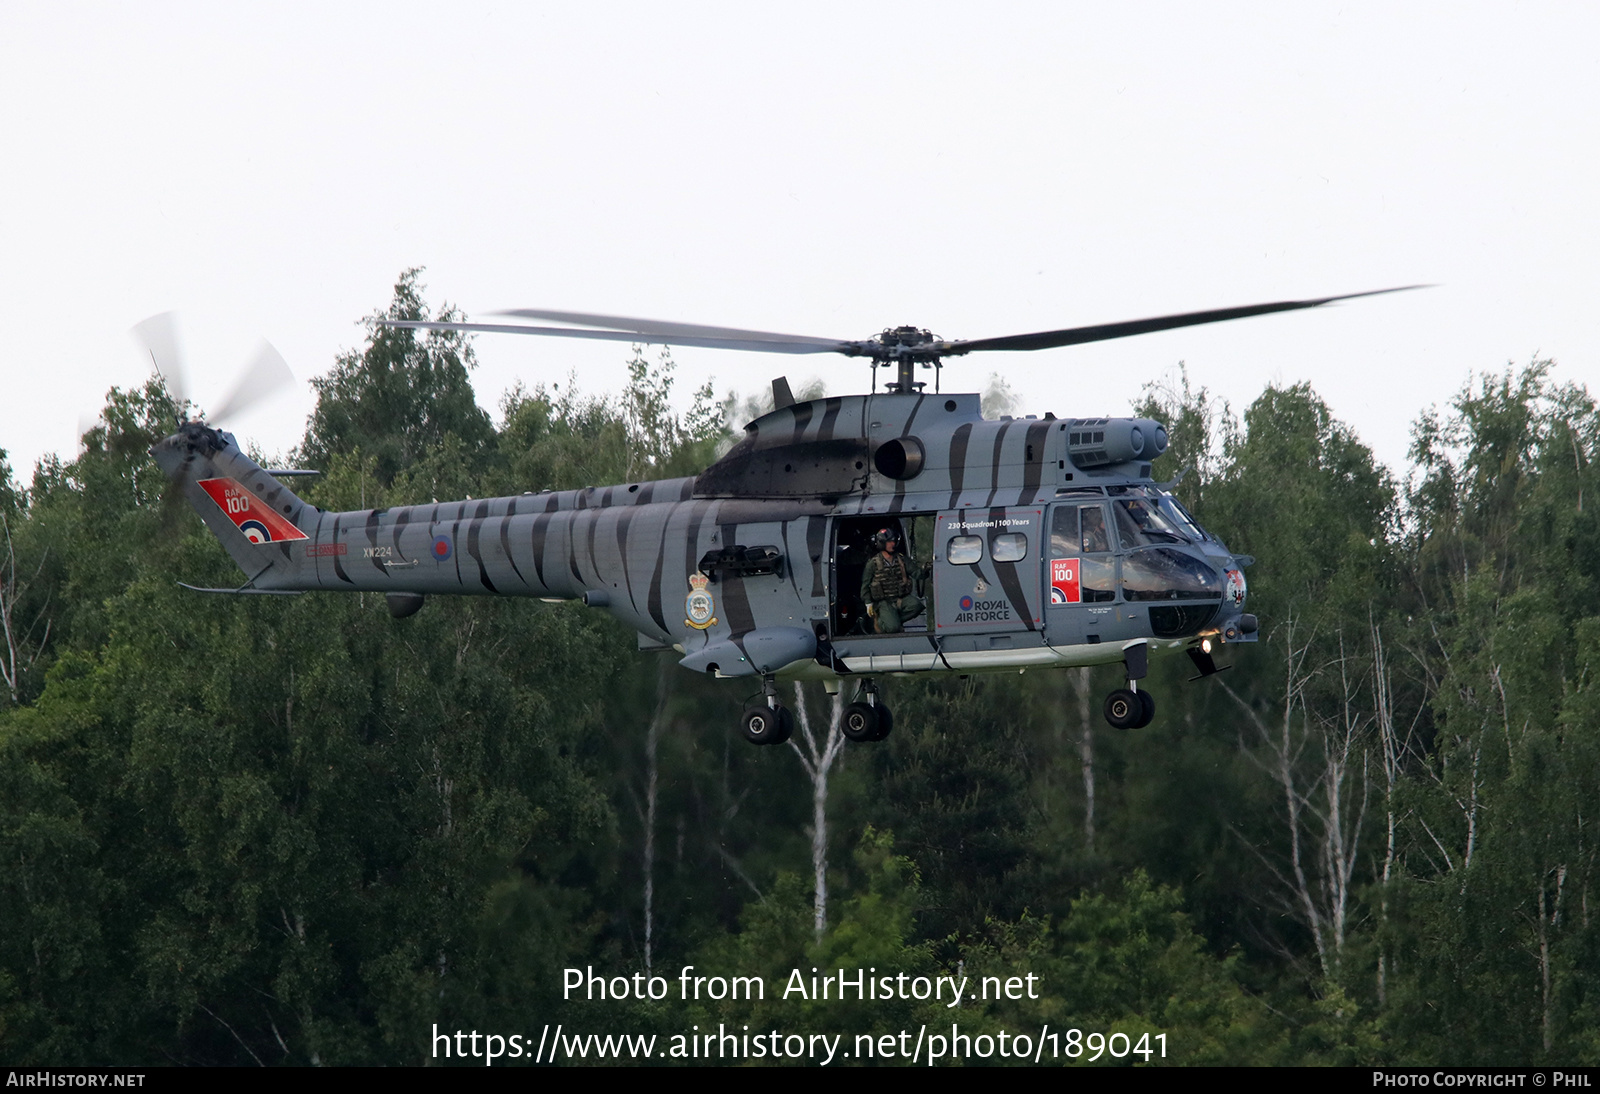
point(158, 336)
point(266, 374)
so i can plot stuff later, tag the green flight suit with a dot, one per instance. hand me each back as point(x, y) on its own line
point(886, 590)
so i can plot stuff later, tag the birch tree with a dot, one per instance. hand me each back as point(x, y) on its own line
point(818, 752)
point(26, 631)
point(1316, 751)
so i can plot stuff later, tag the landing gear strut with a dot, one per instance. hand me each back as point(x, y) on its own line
point(1130, 708)
point(867, 719)
point(767, 722)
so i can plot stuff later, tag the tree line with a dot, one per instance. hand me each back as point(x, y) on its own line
point(241, 830)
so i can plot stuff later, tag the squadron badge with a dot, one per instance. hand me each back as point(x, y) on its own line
point(699, 604)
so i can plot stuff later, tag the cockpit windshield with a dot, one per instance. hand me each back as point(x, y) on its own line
point(1148, 516)
point(1141, 523)
point(1174, 511)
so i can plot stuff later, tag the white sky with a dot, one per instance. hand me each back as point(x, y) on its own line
point(825, 169)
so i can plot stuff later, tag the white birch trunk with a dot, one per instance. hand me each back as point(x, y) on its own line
point(652, 740)
point(1082, 685)
point(817, 757)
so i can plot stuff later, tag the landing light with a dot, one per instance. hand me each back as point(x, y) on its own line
point(1205, 645)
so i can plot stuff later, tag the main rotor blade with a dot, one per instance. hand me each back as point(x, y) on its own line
point(658, 326)
point(756, 344)
point(159, 337)
point(267, 373)
point(1077, 335)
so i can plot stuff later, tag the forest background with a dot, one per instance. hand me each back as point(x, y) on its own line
point(240, 830)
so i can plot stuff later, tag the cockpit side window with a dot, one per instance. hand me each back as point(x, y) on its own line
point(1064, 532)
point(1095, 537)
point(1097, 575)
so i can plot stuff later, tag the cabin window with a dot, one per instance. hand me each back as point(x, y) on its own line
point(963, 550)
point(1009, 547)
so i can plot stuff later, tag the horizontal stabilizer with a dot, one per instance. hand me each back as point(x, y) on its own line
point(241, 592)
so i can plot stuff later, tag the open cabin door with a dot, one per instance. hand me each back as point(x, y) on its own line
point(988, 571)
point(852, 546)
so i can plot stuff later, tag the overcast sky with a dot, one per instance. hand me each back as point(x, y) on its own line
point(820, 169)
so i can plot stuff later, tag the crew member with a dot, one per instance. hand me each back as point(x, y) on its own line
point(886, 586)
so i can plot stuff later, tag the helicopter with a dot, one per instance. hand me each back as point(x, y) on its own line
point(1031, 542)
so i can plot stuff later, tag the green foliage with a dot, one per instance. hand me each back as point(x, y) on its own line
point(295, 830)
point(952, 778)
point(1198, 432)
point(1307, 499)
point(1128, 961)
point(875, 930)
point(660, 443)
point(401, 397)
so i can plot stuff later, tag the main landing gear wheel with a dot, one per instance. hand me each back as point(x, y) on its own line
point(864, 722)
point(764, 725)
point(1128, 709)
point(885, 722)
point(867, 719)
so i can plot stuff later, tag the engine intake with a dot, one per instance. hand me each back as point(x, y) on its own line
point(1101, 442)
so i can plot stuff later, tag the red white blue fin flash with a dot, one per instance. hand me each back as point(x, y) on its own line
point(249, 513)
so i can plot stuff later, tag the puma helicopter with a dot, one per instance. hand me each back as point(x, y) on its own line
point(1032, 542)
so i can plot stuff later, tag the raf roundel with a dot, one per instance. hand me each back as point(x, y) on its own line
point(442, 550)
point(255, 531)
point(966, 603)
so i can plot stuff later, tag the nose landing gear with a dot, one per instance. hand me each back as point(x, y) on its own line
point(1130, 708)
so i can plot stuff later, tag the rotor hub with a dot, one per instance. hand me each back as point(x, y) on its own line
point(906, 348)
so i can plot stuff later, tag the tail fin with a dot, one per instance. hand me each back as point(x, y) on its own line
point(254, 515)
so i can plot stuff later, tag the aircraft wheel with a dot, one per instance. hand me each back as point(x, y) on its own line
point(1124, 708)
point(862, 721)
point(764, 726)
point(1147, 706)
point(885, 722)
